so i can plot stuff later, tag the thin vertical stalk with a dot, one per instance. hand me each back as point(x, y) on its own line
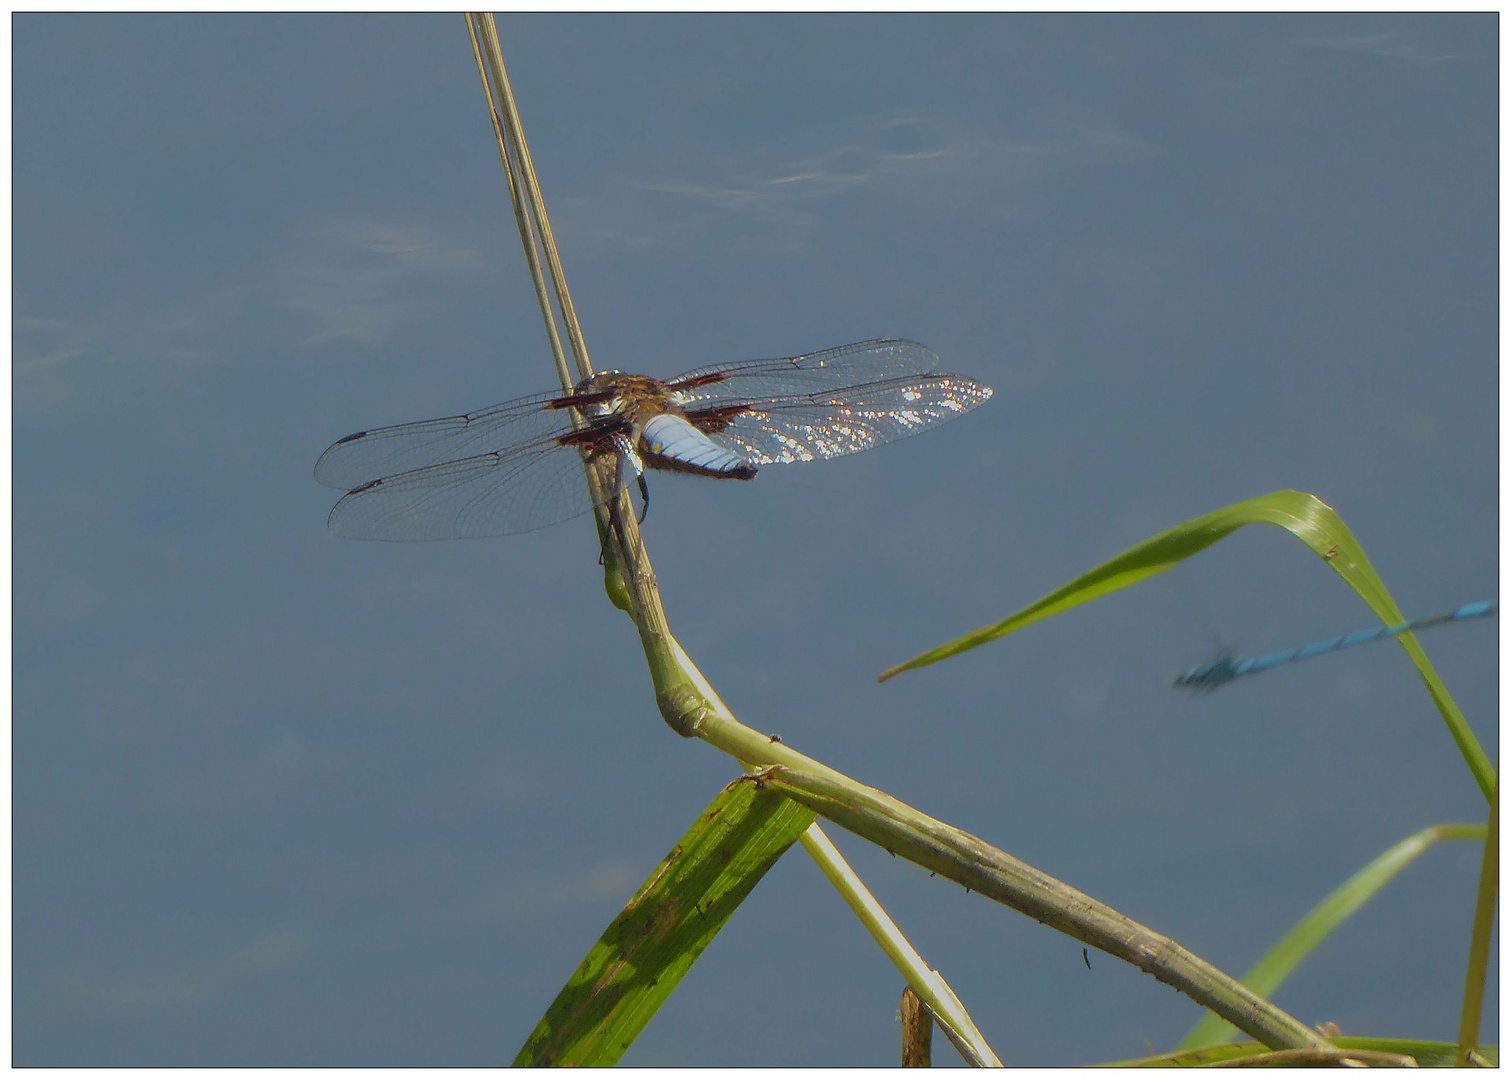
point(917, 1031)
point(527, 180)
point(490, 63)
point(535, 233)
point(1479, 938)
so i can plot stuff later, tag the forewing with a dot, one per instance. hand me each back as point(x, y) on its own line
point(816, 373)
point(487, 495)
point(387, 451)
point(828, 425)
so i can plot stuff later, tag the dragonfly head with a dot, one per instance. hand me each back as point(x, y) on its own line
point(603, 393)
point(596, 381)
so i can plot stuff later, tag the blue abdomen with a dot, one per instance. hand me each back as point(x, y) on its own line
point(670, 442)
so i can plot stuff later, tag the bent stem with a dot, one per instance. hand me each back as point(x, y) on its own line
point(691, 707)
point(927, 983)
point(628, 576)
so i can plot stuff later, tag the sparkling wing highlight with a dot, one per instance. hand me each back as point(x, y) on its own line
point(814, 373)
point(831, 424)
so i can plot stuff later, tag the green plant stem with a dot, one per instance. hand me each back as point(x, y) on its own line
point(977, 865)
point(1428, 1055)
point(927, 983)
point(1479, 939)
point(692, 708)
point(1315, 1056)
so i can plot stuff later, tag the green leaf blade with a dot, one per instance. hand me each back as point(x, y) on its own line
point(1265, 977)
point(643, 955)
point(1304, 516)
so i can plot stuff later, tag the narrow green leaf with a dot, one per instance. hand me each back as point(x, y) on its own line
point(1305, 517)
point(667, 924)
point(1479, 938)
point(1429, 1055)
point(1273, 968)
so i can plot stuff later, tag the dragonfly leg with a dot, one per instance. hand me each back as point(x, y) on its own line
point(630, 462)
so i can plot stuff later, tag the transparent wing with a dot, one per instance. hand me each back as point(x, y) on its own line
point(403, 448)
point(387, 451)
point(487, 495)
point(816, 373)
point(832, 424)
point(503, 470)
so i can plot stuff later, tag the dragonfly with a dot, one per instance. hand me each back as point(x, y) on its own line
point(1226, 668)
point(518, 466)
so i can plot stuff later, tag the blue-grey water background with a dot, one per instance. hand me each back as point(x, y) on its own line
point(285, 799)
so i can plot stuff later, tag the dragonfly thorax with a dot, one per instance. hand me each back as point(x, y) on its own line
point(614, 393)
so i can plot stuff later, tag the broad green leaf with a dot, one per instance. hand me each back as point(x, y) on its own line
point(666, 925)
point(1265, 977)
point(1429, 1055)
point(1305, 517)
